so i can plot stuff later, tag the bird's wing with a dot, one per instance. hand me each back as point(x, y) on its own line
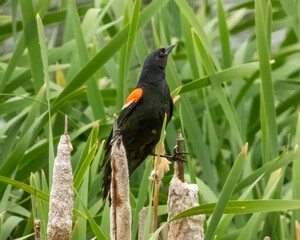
point(171, 109)
point(130, 104)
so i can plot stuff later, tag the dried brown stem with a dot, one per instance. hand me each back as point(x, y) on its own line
point(161, 165)
point(181, 156)
point(297, 229)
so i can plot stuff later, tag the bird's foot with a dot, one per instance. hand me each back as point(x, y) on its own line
point(177, 156)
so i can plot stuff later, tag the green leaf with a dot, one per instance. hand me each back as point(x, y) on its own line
point(187, 11)
point(34, 191)
point(226, 193)
point(220, 93)
point(282, 161)
point(96, 230)
point(229, 74)
point(84, 166)
point(243, 207)
point(94, 97)
point(133, 26)
point(43, 49)
point(90, 143)
point(32, 43)
point(224, 35)
point(268, 115)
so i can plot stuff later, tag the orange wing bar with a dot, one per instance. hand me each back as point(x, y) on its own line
point(135, 95)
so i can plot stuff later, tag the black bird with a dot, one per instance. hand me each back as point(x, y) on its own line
point(141, 118)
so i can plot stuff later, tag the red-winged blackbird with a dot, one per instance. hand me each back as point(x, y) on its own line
point(141, 118)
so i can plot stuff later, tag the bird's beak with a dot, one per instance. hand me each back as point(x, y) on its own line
point(169, 49)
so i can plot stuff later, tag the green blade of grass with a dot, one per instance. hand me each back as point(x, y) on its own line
point(37, 207)
point(187, 11)
point(133, 26)
point(91, 141)
point(94, 97)
point(226, 193)
point(220, 94)
point(229, 74)
point(248, 232)
point(141, 199)
point(20, 45)
point(269, 127)
point(18, 51)
point(96, 230)
point(9, 225)
point(78, 178)
point(226, 220)
point(83, 199)
point(34, 191)
point(296, 169)
point(43, 49)
point(283, 160)
point(41, 195)
point(17, 154)
point(122, 83)
point(224, 35)
point(4, 201)
point(32, 43)
point(96, 163)
point(243, 207)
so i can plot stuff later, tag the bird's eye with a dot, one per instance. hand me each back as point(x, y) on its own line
point(162, 53)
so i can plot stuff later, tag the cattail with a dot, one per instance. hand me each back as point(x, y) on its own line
point(183, 196)
point(61, 196)
point(120, 215)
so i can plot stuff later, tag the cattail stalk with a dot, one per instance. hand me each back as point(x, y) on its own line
point(61, 196)
point(161, 165)
point(181, 156)
point(120, 215)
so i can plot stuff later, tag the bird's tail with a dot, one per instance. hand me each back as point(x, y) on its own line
point(106, 180)
point(106, 168)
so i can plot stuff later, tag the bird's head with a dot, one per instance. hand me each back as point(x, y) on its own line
point(158, 58)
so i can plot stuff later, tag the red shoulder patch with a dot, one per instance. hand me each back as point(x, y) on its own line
point(135, 95)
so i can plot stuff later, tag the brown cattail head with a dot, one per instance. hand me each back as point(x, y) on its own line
point(183, 196)
point(120, 214)
point(61, 196)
